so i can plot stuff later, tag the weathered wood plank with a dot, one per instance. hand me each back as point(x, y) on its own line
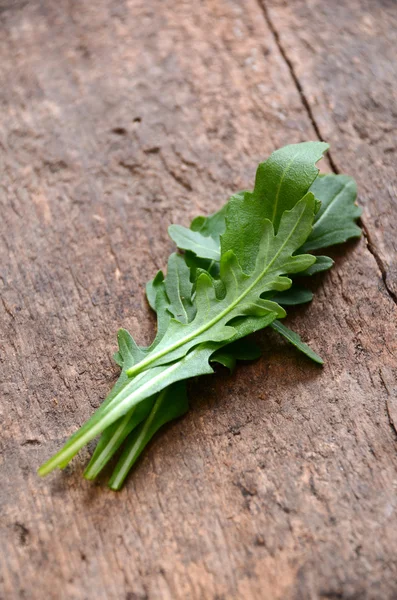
point(119, 118)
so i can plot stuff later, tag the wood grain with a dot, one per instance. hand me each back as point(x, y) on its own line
point(117, 119)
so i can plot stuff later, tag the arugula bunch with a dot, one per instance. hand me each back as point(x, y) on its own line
point(235, 276)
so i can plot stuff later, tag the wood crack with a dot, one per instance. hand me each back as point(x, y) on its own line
point(372, 250)
point(297, 83)
point(305, 102)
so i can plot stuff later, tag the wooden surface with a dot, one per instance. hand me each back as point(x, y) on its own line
point(118, 118)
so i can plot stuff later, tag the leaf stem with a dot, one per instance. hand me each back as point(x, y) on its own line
point(124, 465)
point(96, 465)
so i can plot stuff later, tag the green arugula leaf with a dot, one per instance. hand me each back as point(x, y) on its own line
point(196, 242)
point(179, 289)
point(281, 182)
point(129, 352)
point(296, 341)
point(335, 222)
point(170, 297)
point(323, 263)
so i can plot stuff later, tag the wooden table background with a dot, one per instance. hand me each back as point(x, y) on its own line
point(117, 118)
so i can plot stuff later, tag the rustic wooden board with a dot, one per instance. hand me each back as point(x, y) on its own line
point(117, 119)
